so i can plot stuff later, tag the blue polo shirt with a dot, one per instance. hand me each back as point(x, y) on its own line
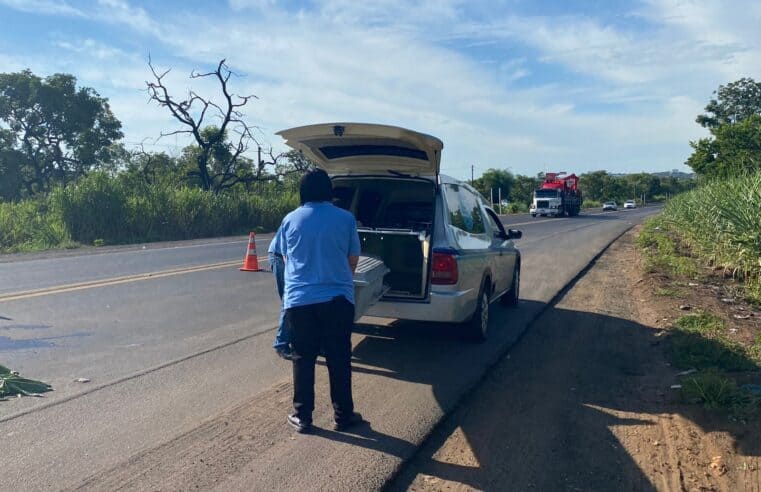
point(274, 246)
point(317, 240)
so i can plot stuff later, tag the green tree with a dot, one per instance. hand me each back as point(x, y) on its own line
point(734, 148)
point(523, 189)
point(734, 102)
point(11, 180)
point(734, 119)
point(140, 168)
point(291, 166)
point(495, 179)
point(638, 184)
point(59, 131)
point(599, 186)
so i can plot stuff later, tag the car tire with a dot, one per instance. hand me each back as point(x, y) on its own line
point(477, 328)
point(512, 296)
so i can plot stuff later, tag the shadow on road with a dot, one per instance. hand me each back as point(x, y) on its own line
point(544, 418)
point(365, 436)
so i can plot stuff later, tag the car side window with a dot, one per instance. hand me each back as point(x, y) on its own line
point(495, 226)
point(464, 210)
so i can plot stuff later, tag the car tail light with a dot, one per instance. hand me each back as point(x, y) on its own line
point(444, 271)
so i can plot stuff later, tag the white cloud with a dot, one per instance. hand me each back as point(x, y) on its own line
point(251, 4)
point(630, 106)
point(94, 49)
point(45, 7)
point(121, 12)
point(725, 38)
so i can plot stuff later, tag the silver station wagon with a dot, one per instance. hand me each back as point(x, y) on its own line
point(448, 254)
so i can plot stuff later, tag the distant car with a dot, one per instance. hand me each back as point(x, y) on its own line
point(630, 204)
point(609, 206)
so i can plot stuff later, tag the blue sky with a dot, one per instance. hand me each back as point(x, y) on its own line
point(519, 84)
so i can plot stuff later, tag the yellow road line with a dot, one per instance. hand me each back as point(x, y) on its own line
point(59, 289)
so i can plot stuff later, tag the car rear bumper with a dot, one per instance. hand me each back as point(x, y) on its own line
point(444, 307)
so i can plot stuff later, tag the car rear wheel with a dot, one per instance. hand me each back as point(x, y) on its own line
point(511, 297)
point(477, 329)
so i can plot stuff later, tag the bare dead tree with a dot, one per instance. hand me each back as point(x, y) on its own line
point(193, 113)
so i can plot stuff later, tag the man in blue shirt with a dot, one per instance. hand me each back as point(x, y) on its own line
point(321, 248)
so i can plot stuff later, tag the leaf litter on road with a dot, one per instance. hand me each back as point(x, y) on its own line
point(12, 384)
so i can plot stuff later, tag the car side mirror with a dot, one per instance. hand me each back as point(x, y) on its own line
point(514, 234)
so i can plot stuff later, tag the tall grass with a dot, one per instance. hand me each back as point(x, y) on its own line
point(113, 210)
point(30, 226)
point(721, 222)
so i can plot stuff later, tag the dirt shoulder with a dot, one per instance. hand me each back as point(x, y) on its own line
point(584, 402)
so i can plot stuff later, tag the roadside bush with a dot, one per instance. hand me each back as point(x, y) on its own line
point(114, 210)
point(700, 341)
point(29, 225)
point(716, 391)
point(95, 207)
point(591, 204)
point(721, 222)
point(661, 250)
point(516, 208)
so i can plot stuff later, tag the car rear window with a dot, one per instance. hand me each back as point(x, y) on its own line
point(340, 151)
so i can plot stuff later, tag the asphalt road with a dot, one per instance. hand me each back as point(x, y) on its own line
point(174, 337)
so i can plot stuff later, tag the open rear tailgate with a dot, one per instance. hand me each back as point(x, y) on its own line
point(367, 149)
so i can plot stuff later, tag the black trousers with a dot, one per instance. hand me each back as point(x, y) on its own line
point(325, 326)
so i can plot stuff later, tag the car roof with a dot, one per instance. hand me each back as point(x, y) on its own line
point(449, 180)
point(444, 179)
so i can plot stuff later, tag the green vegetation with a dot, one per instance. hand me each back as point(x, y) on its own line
point(516, 208)
point(597, 187)
point(700, 341)
point(661, 251)
point(720, 223)
point(716, 391)
point(28, 226)
point(592, 204)
point(11, 384)
point(53, 132)
point(734, 119)
point(101, 209)
point(675, 245)
point(600, 186)
point(66, 179)
point(667, 293)
point(716, 225)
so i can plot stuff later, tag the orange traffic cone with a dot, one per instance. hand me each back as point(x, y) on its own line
point(251, 261)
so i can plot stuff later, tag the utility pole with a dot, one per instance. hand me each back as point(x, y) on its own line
point(471, 174)
point(500, 200)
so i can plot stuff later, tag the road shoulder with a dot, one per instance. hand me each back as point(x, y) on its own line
point(584, 402)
